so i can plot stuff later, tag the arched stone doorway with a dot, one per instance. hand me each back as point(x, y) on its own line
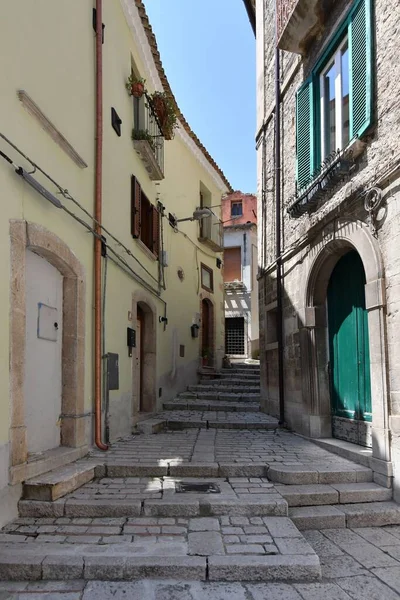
point(207, 348)
point(144, 362)
point(31, 238)
point(345, 236)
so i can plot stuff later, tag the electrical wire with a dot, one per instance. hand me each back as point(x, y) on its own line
point(65, 193)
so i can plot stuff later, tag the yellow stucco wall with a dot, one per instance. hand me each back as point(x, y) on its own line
point(47, 48)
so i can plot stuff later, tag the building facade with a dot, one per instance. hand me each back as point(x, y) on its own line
point(239, 218)
point(329, 164)
point(160, 281)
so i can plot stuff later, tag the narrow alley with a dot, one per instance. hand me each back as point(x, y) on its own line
point(209, 498)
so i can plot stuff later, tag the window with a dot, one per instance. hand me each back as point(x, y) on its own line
point(232, 264)
point(145, 218)
point(207, 279)
point(234, 336)
point(236, 209)
point(334, 105)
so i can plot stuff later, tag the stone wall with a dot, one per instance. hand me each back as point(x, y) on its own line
point(341, 214)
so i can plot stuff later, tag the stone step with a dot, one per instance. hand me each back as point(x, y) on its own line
point(227, 383)
point(208, 405)
point(336, 493)
point(262, 548)
point(367, 514)
point(236, 371)
point(344, 472)
point(55, 484)
point(243, 376)
point(224, 396)
point(224, 387)
point(213, 419)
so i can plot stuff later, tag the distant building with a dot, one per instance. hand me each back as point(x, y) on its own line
point(239, 217)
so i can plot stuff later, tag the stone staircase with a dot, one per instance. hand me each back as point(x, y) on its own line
point(220, 494)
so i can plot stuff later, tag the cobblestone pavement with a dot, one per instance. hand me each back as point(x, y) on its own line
point(357, 564)
point(221, 446)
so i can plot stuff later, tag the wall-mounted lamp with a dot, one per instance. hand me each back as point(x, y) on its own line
point(194, 330)
point(163, 320)
point(198, 214)
point(38, 187)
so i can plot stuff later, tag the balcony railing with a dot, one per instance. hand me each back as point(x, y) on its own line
point(148, 139)
point(299, 22)
point(211, 232)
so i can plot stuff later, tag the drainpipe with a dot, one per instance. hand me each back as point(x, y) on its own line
point(279, 287)
point(97, 216)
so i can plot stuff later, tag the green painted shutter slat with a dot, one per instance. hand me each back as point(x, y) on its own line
point(304, 132)
point(360, 46)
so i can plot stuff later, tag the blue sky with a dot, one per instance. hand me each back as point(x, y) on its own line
point(208, 53)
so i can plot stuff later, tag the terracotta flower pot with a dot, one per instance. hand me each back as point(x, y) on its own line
point(137, 89)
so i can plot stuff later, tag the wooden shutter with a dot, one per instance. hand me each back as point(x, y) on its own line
point(156, 232)
point(136, 217)
point(360, 57)
point(304, 133)
point(232, 264)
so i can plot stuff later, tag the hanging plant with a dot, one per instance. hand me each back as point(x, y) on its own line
point(166, 112)
point(135, 85)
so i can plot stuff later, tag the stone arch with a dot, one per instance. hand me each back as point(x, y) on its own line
point(144, 305)
point(345, 235)
point(31, 236)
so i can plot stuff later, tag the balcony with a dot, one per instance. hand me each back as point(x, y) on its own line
point(299, 22)
point(148, 139)
point(211, 233)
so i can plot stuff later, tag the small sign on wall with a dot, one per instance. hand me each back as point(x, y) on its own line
point(47, 323)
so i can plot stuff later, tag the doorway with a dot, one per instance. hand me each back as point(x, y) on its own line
point(144, 363)
point(349, 352)
point(234, 336)
point(43, 338)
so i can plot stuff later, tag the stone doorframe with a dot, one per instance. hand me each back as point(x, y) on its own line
point(338, 238)
point(30, 236)
point(144, 301)
point(207, 298)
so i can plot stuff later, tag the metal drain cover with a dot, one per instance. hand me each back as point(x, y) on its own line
point(200, 488)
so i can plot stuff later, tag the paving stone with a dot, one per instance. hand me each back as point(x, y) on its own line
point(254, 539)
point(204, 524)
point(316, 591)
point(363, 586)
point(172, 591)
point(245, 549)
point(163, 508)
point(370, 556)
point(99, 590)
point(377, 536)
point(50, 596)
point(63, 567)
point(340, 566)
point(73, 585)
point(389, 575)
point(103, 508)
point(273, 591)
point(281, 527)
point(205, 543)
point(321, 545)
point(294, 546)
point(218, 591)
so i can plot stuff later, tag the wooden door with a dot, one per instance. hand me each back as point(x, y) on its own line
point(349, 352)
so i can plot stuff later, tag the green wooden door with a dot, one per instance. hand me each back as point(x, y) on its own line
point(349, 351)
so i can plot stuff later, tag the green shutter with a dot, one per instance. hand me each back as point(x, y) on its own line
point(304, 132)
point(360, 47)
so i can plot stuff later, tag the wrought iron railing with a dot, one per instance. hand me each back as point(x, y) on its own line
point(147, 127)
point(284, 9)
point(334, 169)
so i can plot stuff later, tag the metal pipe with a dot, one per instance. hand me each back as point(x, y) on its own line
point(278, 233)
point(98, 216)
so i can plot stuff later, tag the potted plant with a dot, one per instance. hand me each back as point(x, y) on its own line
point(166, 113)
point(135, 85)
point(142, 134)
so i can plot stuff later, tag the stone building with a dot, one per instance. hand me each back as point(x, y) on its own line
point(328, 114)
point(239, 217)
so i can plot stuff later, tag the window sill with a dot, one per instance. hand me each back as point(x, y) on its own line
point(146, 250)
point(327, 176)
